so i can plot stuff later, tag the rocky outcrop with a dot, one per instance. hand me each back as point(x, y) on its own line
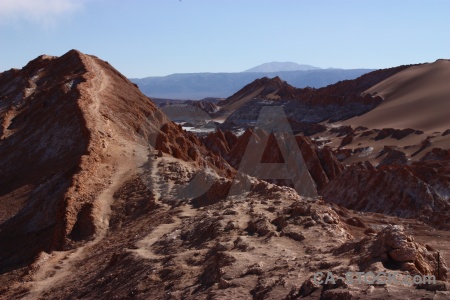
point(397, 251)
point(219, 142)
point(397, 134)
point(307, 129)
point(348, 139)
point(392, 157)
point(419, 190)
point(234, 156)
point(321, 163)
point(437, 154)
point(173, 140)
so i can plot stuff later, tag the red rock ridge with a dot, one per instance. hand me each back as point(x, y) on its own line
point(72, 128)
point(340, 93)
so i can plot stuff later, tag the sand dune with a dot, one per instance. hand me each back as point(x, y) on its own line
point(418, 97)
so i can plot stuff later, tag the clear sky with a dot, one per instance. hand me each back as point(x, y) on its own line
point(160, 37)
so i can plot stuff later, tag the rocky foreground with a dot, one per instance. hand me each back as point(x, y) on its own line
point(102, 197)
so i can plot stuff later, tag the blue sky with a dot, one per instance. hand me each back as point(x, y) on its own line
point(160, 37)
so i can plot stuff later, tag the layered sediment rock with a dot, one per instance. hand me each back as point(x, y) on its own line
point(419, 190)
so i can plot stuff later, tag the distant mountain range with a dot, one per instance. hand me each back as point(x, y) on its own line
point(197, 86)
point(276, 66)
